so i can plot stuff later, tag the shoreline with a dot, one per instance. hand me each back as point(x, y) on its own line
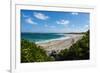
point(51, 40)
point(61, 44)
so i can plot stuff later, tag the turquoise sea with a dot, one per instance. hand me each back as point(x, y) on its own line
point(43, 37)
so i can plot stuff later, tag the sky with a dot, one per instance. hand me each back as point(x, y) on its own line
point(37, 21)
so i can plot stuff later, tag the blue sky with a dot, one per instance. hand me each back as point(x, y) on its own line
point(53, 22)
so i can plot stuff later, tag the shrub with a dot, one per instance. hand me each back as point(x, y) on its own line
point(30, 52)
point(78, 51)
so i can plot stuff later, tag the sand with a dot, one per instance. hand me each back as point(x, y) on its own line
point(58, 45)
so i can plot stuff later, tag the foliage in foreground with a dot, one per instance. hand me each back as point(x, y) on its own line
point(30, 52)
point(78, 51)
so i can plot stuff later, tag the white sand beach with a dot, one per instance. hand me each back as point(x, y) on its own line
point(58, 45)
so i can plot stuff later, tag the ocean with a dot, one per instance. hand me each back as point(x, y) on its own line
point(43, 37)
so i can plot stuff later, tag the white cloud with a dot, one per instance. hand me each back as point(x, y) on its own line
point(30, 21)
point(49, 26)
point(63, 22)
point(52, 26)
point(25, 15)
point(40, 16)
point(83, 28)
point(45, 25)
point(74, 13)
point(87, 26)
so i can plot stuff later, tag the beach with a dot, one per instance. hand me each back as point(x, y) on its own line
point(58, 45)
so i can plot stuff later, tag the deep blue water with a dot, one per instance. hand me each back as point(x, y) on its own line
point(40, 37)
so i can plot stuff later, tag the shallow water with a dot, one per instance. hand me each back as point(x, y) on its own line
point(43, 37)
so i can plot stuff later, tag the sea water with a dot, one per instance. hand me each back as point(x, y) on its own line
point(43, 37)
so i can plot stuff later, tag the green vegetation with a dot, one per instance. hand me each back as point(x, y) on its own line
point(78, 51)
point(30, 52)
